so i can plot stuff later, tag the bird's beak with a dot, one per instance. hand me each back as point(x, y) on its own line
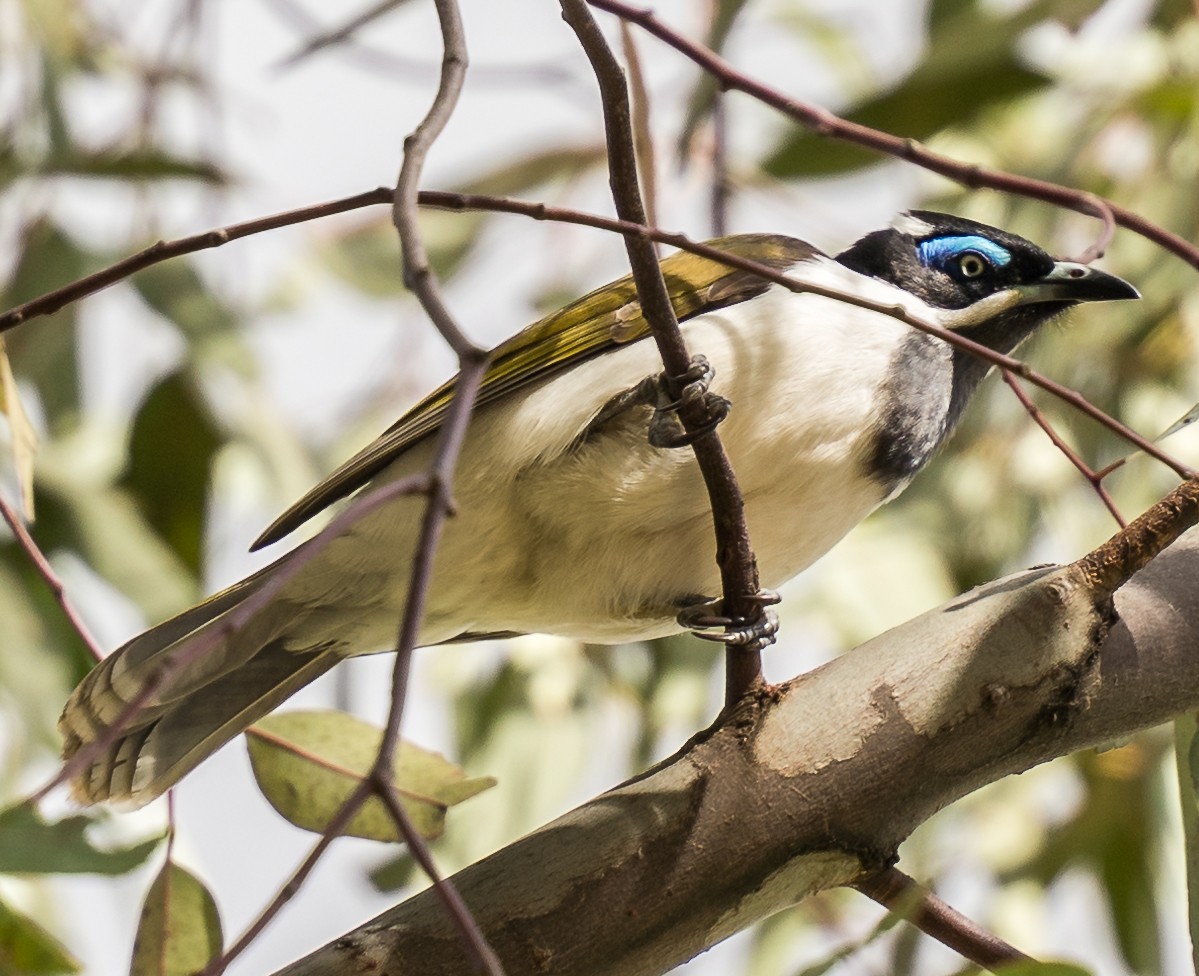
point(1070, 282)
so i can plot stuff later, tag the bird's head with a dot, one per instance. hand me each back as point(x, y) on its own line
point(953, 263)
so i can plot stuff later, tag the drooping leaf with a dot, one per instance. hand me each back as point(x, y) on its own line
point(107, 528)
point(970, 66)
point(177, 292)
point(308, 763)
point(367, 256)
point(27, 949)
point(21, 432)
point(30, 845)
point(179, 931)
point(525, 173)
point(71, 160)
point(46, 355)
point(1041, 968)
point(172, 444)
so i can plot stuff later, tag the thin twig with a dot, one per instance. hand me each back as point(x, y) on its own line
point(287, 892)
point(1092, 476)
point(899, 893)
point(721, 187)
point(734, 555)
point(52, 301)
point(342, 34)
point(472, 364)
point(643, 139)
point(825, 123)
point(40, 563)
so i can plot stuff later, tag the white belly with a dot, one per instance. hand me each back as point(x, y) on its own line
point(605, 541)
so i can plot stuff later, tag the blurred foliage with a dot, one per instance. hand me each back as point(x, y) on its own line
point(125, 503)
point(30, 845)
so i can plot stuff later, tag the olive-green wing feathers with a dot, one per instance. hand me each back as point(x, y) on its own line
point(607, 317)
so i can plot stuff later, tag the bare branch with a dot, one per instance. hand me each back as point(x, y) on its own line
point(49, 577)
point(734, 555)
point(897, 892)
point(1093, 477)
point(823, 779)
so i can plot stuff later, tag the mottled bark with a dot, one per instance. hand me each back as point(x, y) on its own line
point(815, 783)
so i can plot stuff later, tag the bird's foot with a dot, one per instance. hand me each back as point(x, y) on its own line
point(708, 621)
point(666, 430)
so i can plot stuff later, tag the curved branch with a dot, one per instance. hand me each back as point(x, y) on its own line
point(823, 779)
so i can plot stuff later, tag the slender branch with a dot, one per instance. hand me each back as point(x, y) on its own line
point(291, 887)
point(734, 554)
point(899, 893)
point(472, 364)
point(1093, 477)
point(721, 186)
point(42, 565)
point(52, 301)
point(1109, 566)
point(643, 141)
point(825, 123)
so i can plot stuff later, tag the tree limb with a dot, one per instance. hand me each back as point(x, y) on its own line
point(823, 778)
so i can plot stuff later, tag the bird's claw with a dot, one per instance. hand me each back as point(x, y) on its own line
point(708, 622)
point(665, 429)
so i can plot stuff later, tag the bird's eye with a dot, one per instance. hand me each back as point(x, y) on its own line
point(972, 264)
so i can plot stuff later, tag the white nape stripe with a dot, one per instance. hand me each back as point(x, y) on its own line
point(906, 223)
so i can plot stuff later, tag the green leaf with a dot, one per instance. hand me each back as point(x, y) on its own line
point(177, 292)
point(46, 354)
point(26, 949)
point(179, 932)
point(308, 763)
point(1032, 968)
point(30, 845)
point(72, 160)
point(172, 444)
point(367, 256)
point(970, 66)
point(536, 169)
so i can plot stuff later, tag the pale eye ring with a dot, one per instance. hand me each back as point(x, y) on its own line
point(972, 264)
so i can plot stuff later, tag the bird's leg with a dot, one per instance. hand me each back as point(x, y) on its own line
point(707, 620)
point(665, 428)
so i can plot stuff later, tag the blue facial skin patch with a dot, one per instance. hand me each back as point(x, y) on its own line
point(938, 251)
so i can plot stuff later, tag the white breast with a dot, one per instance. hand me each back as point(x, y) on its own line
point(601, 541)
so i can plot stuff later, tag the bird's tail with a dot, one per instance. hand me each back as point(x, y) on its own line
point(209, 683)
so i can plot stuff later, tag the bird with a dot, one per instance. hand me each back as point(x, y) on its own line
point(572, 517)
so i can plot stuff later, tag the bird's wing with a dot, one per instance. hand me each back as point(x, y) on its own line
point(607, 317)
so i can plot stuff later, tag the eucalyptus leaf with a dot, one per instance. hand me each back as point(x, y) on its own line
point(27, 949)
point(46, 355)
point(21, 433)
point(308, 763)
point(179, 931)
point(1035, 968)
point(30, 845)
point(172, 445)
point(970, 66)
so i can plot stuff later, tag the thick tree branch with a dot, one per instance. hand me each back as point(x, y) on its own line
point(823, 779)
